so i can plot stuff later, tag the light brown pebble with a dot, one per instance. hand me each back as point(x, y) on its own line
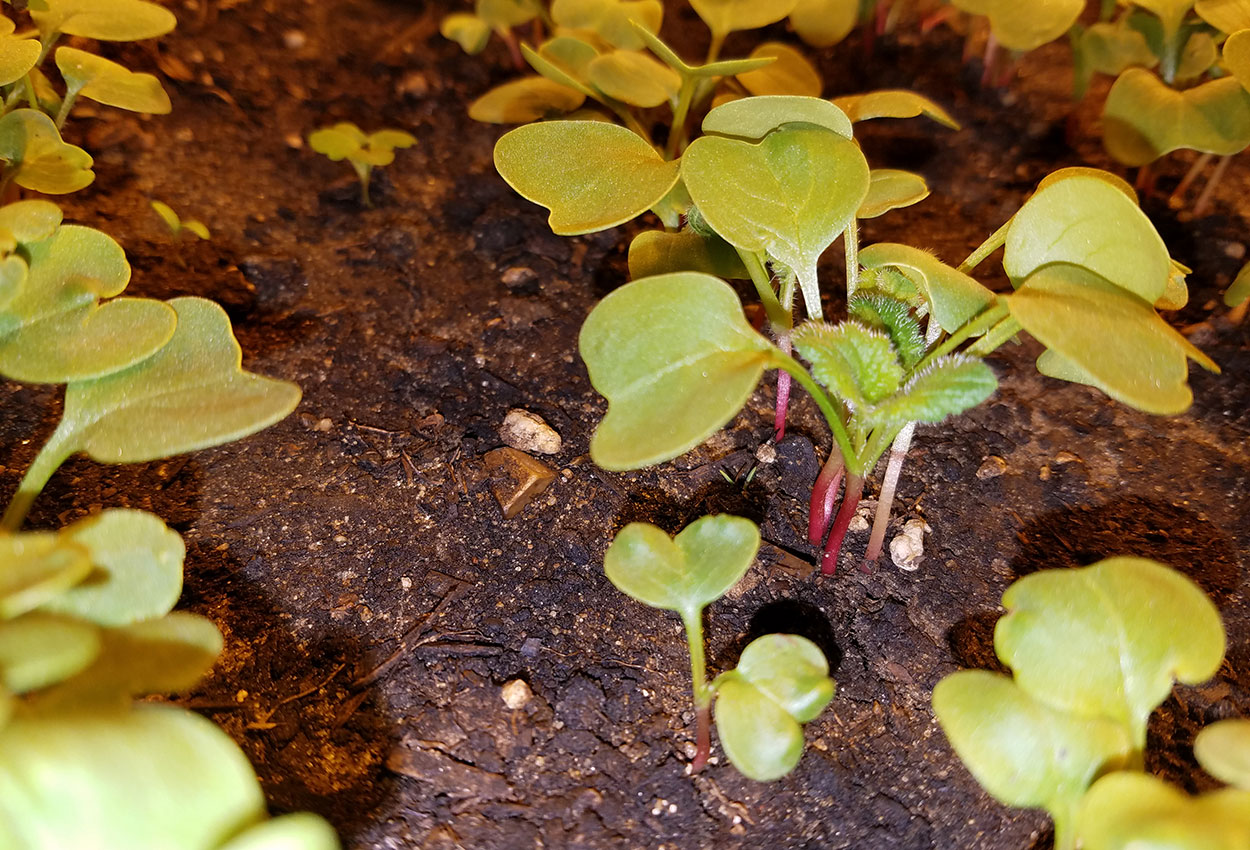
point(992, 467)
point(516, 694)
point(528, 432)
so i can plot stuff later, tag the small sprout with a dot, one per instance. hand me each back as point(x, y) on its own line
point(364, 152)
point(178, 225)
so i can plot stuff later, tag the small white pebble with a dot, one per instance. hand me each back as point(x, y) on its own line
point(907, 550)
point(516, 694)
point(528, 432)
point(766, 453)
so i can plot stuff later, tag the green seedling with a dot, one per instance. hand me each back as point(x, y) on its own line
point(86, 619)
point(1239, 293)
point(1093, 652)
point(177, 226)
point(1015, 28)
point(363, 152)
point(781, 681)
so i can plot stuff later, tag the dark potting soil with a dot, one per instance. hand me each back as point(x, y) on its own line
point(374, 599)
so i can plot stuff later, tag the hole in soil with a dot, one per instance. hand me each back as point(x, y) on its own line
point(653, 505)
point(1147, 528)
point(792, 617)
point(972, 641)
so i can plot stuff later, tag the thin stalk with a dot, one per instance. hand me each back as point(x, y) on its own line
point(50, 457)
point(996, 336)
point(885, 501)
point(783, 392)
point(980, 323)
point(990, 60)
point(1208, 191)
point(693, 621)
point(997, 239)
point(780, 318)
point(1178, 196)
point(713, 49)
point(67, 103)
point(824, 497)
point(851, 240)
point(1145, 182)
point(677, 136)
point(825, 403)
point(514, 48)
point(850, 501)
point(363, 172)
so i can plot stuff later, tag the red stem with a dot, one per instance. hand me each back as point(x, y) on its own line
point(824, 496)
point(883, 15)
point(703, 737)
point(850, 501)
point(783, 390)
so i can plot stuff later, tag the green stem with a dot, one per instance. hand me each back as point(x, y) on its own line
point(825, 403)
point(363, 171)
point(693, 621)
point(996, 336)
point(851, 238)
point(67, 103)
point(983, 321)
point(54, 453)
point(677, 134)
point(997, 239)
point(779, 317)
point(713, 49)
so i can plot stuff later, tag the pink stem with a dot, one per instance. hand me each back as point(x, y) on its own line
point(885, 501)
point(936, 19)
point(883, 15)
point(991, 58)
point(850, 501)
point(703, 737)
point(824, 496)
point(514, 48)
point(783, 390)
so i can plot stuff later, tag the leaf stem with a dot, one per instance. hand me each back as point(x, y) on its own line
point(996, 336)
point(67, 103)
point(980, 323)
point(824, 497)
point(996, 240)
point(889, 484)
point(677, 135)
point(825, 403)
point(713, 49)
point(693, 621)
point(851, 239)
point(779, 317)
point(50, 457)
point(850, 501)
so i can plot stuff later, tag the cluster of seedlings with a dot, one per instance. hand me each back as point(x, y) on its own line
point(752, 176)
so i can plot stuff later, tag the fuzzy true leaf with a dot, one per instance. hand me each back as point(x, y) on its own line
point(106, 20)
point(683, 573)
point(953, 296)
point(190, 395)
point(676, 360)
point(891, 189)
point(946, 387)
point(1144, 118)
point(753, 118)
point(725, 16)
point(107, 82)
point(1127, 810)
point(823, 23)
point(893, 103)
point(1114, 337)
point(790, 74)
point(634, 78)
point(31, 144)
point(37, 650)
point(1109, 640)
point(1090, 223)
point(655, 252)
point(1023, 751)
point(790, 195)
point(894, 317)
point(591, 175)
point(857, 364)
point(137, 569)
point(1223, 750)
point(56, 330)
point(35, 567)
point(151, 776)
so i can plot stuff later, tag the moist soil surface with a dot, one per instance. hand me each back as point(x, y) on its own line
point(374, 598)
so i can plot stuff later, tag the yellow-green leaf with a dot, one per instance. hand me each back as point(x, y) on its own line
point(30, 141)
point(1144, 118)
point(953, 296)
point(891, 189)
point(893, 103)
point(753, 118)
point(107, 82)
point(524, 100)
point(106, 20)
point(633, 78)
point(725, 16)
point(37, 650)
point(823, 23)
point(35, 567)
point(469, 31)
point(655, 252)
point(1223, 750)
point(790, 74)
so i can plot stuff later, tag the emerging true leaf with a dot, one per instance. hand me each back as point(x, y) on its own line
point(753, 118)
point(685, 573)
point(877, 310)
point(946, 387)
point(858, 365)
point(1144, 118)
point(591, 175)
point(676, 359)
point(791, 195)
point(1109, 640)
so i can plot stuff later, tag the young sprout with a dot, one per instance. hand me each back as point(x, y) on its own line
point(178, 225)
point(364, 152)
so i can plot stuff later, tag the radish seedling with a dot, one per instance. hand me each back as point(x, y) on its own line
point(781, 681)
point(177, 226)
point(363, 152)
point(1093, 652)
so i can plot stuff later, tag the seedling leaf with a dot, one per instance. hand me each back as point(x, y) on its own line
point(790, 74)
point(676, 359)
point(1024, 751)
point(893, 103)
point(656, 252)
point(190, 395)
point(1088, 222)
point(953, 296)
point(894, 317)
point(1239, 291)
point(1223, 750)
point(685, 573)
point(137, 569)
point(858, 365)
point(1237, 57)
point(151, 776)
point(56, 331)
point(36, 567)
point(634, 78)
point(754, 118)
point(1227, 16)
point(725, 16)
point(30, 221)
point(524, 100)
point(891, 189)
point(823, 23)
point(1109, 640)
point(760, 738)
point(790, 195)
point(37, 650)
point(110, 20)
point(469, 31)
point(946, 387)
point(298, 831)
point(1144, 118)
point(1025, 27)
point(612, 20)
point(591, 175)
point(36, 157)
point(1126, 810)
point(17, 55)
point(109, 83)
point(791, 671)
point(503, 15)
point(1112, 336)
